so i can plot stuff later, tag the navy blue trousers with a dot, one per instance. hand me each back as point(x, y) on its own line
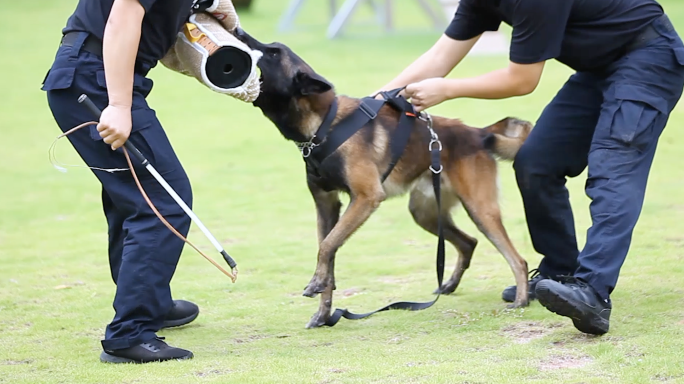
point(610, 122)
point(143, 253)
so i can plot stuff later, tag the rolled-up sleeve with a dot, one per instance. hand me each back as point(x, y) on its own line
point(471, 20)
point(538, 29)
point(147, 4)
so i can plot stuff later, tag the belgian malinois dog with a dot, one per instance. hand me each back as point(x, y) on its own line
point(296, 99)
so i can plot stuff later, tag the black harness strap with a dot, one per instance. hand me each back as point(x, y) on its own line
point(404, 128)
point(324, 142)
point(436, 168)
point(320, 135)
point(328, 142)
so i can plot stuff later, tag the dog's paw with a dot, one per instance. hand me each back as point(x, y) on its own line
point(318, 320)
point(315, 287)
point(518, 304)
point(444, 290)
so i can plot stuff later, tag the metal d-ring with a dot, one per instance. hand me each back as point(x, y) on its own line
point(307, 148)
point(441, 167)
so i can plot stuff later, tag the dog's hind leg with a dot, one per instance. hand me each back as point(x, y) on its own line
point(366, 195)
point(474, 181)
point(423, 208)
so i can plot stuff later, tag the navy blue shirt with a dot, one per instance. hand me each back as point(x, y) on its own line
point(161, 24)
point(585, 35)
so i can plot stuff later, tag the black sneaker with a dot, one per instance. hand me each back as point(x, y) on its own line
point(577, 300)
point(182, 312)
point(508, 294)
point(151, 351)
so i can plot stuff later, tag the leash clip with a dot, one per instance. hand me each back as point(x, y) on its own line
point(434, 139)
point(307, 148)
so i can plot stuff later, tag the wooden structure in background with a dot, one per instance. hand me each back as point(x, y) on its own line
point(339, 18)
point(490, 43)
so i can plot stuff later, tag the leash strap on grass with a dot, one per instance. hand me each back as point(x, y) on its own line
point(436, 169)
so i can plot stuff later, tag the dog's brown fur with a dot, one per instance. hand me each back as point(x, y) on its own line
point(297, 99)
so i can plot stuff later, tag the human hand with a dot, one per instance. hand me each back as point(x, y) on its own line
point(427, 93)
point(115, 125)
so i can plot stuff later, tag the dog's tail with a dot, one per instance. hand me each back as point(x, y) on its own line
point(505, 137)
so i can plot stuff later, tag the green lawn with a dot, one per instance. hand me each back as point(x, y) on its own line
point(248, 182)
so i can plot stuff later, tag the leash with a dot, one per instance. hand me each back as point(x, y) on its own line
point(128, 146)
point(325, 142)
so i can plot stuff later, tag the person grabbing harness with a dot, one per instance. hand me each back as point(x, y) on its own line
point(629, 75)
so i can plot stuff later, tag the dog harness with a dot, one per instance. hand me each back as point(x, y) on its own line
point(325, 142)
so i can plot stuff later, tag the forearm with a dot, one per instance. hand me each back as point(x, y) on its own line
point(120, 47)
point(438, 61)
point(498, 84)
point(425, 67)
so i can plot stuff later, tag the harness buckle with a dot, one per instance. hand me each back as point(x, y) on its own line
point(367, 110)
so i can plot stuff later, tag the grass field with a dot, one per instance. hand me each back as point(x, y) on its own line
point(56, 291)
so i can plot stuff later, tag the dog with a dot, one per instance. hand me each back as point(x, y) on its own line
point(296, 99)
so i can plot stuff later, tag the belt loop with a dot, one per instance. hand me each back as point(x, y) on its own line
point(76, 48)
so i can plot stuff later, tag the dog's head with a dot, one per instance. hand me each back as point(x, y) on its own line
point(293, 96)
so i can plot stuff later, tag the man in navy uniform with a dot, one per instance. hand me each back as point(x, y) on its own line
point(107, 49)
point(609, 115)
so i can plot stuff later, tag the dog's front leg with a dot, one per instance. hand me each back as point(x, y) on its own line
point(328, 207)
point(360, 208)
point(362, 205)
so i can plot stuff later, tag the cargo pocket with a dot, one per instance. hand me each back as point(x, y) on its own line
point(679, 54)
point(151, 140)
point(636, 115)
point(139, 116)
point(140, 83)
point(58, 78)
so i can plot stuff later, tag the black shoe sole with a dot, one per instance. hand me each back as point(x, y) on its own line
point(179, 322)
point(111, 359)
point(594, 324)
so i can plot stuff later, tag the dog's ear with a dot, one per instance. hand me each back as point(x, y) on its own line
point(307, 83)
